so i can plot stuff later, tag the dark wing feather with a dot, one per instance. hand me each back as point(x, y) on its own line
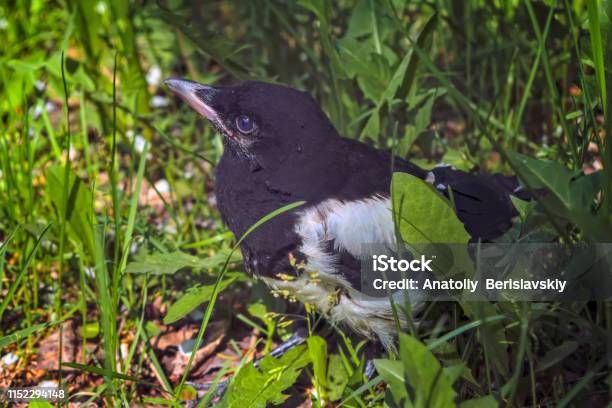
point(482, 202)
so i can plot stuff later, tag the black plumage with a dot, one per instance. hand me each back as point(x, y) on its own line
point(290, 152)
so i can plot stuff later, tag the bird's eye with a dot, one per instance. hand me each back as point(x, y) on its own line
point(244, 124)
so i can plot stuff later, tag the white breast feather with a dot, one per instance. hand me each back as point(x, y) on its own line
point(350, 225)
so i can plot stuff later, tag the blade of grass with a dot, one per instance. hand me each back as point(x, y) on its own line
point(582, 383)
point(471, 109)
point(431, 346)
point(552, 87)
point(22, 272)
point(114, 190)
point(111, 374)
point(532, 73)
point(25, 333)
point(520, 355)
point(597, 49)
point(63, 221)
point(3, 249)
point(127, 239)
point(462, 329)
point(213, 298)
point(107, 311)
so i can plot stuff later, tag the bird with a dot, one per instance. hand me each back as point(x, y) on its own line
point(280, 148)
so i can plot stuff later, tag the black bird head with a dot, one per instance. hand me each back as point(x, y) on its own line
point(261, 122)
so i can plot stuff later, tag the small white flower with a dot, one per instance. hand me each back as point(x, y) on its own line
point(154, 75)
point(89, 271)
point(124, 350)
point(9, 359)
point(36, 111)
point(139, 143)
point(162, 186)
point(48, 384)
point(159, 101)
point(170, 229)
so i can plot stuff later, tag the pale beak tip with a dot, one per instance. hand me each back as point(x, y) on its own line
point(176, 84)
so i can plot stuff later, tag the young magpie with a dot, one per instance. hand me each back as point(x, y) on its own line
point(279, 147)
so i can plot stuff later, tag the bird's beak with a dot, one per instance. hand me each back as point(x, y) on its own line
point(199, 97)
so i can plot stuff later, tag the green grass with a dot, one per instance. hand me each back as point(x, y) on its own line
point(105, 198)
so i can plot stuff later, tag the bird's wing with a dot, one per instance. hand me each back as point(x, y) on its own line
point(482, 202)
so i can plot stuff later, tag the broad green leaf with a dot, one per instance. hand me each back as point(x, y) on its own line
point(422, 120)
point(569, 198)
point(317, 348)
point(457, 159)
point(194, 297)
point(400, 84)
point(90, 330)
point(553, 176)
point(258, 310)
point(364, 15)
point(25, 67)
point(372, 127)
point(258, 387)
point(392, 371)
point(337, 377)
point(574, 194)
point(79, 211)
point(422, 214)
point(40, 404)
point(431, 384)
point(162, 264)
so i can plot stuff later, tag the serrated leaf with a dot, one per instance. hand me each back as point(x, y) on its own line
point(162, 264)
point(422, 214)
point(256, 388)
